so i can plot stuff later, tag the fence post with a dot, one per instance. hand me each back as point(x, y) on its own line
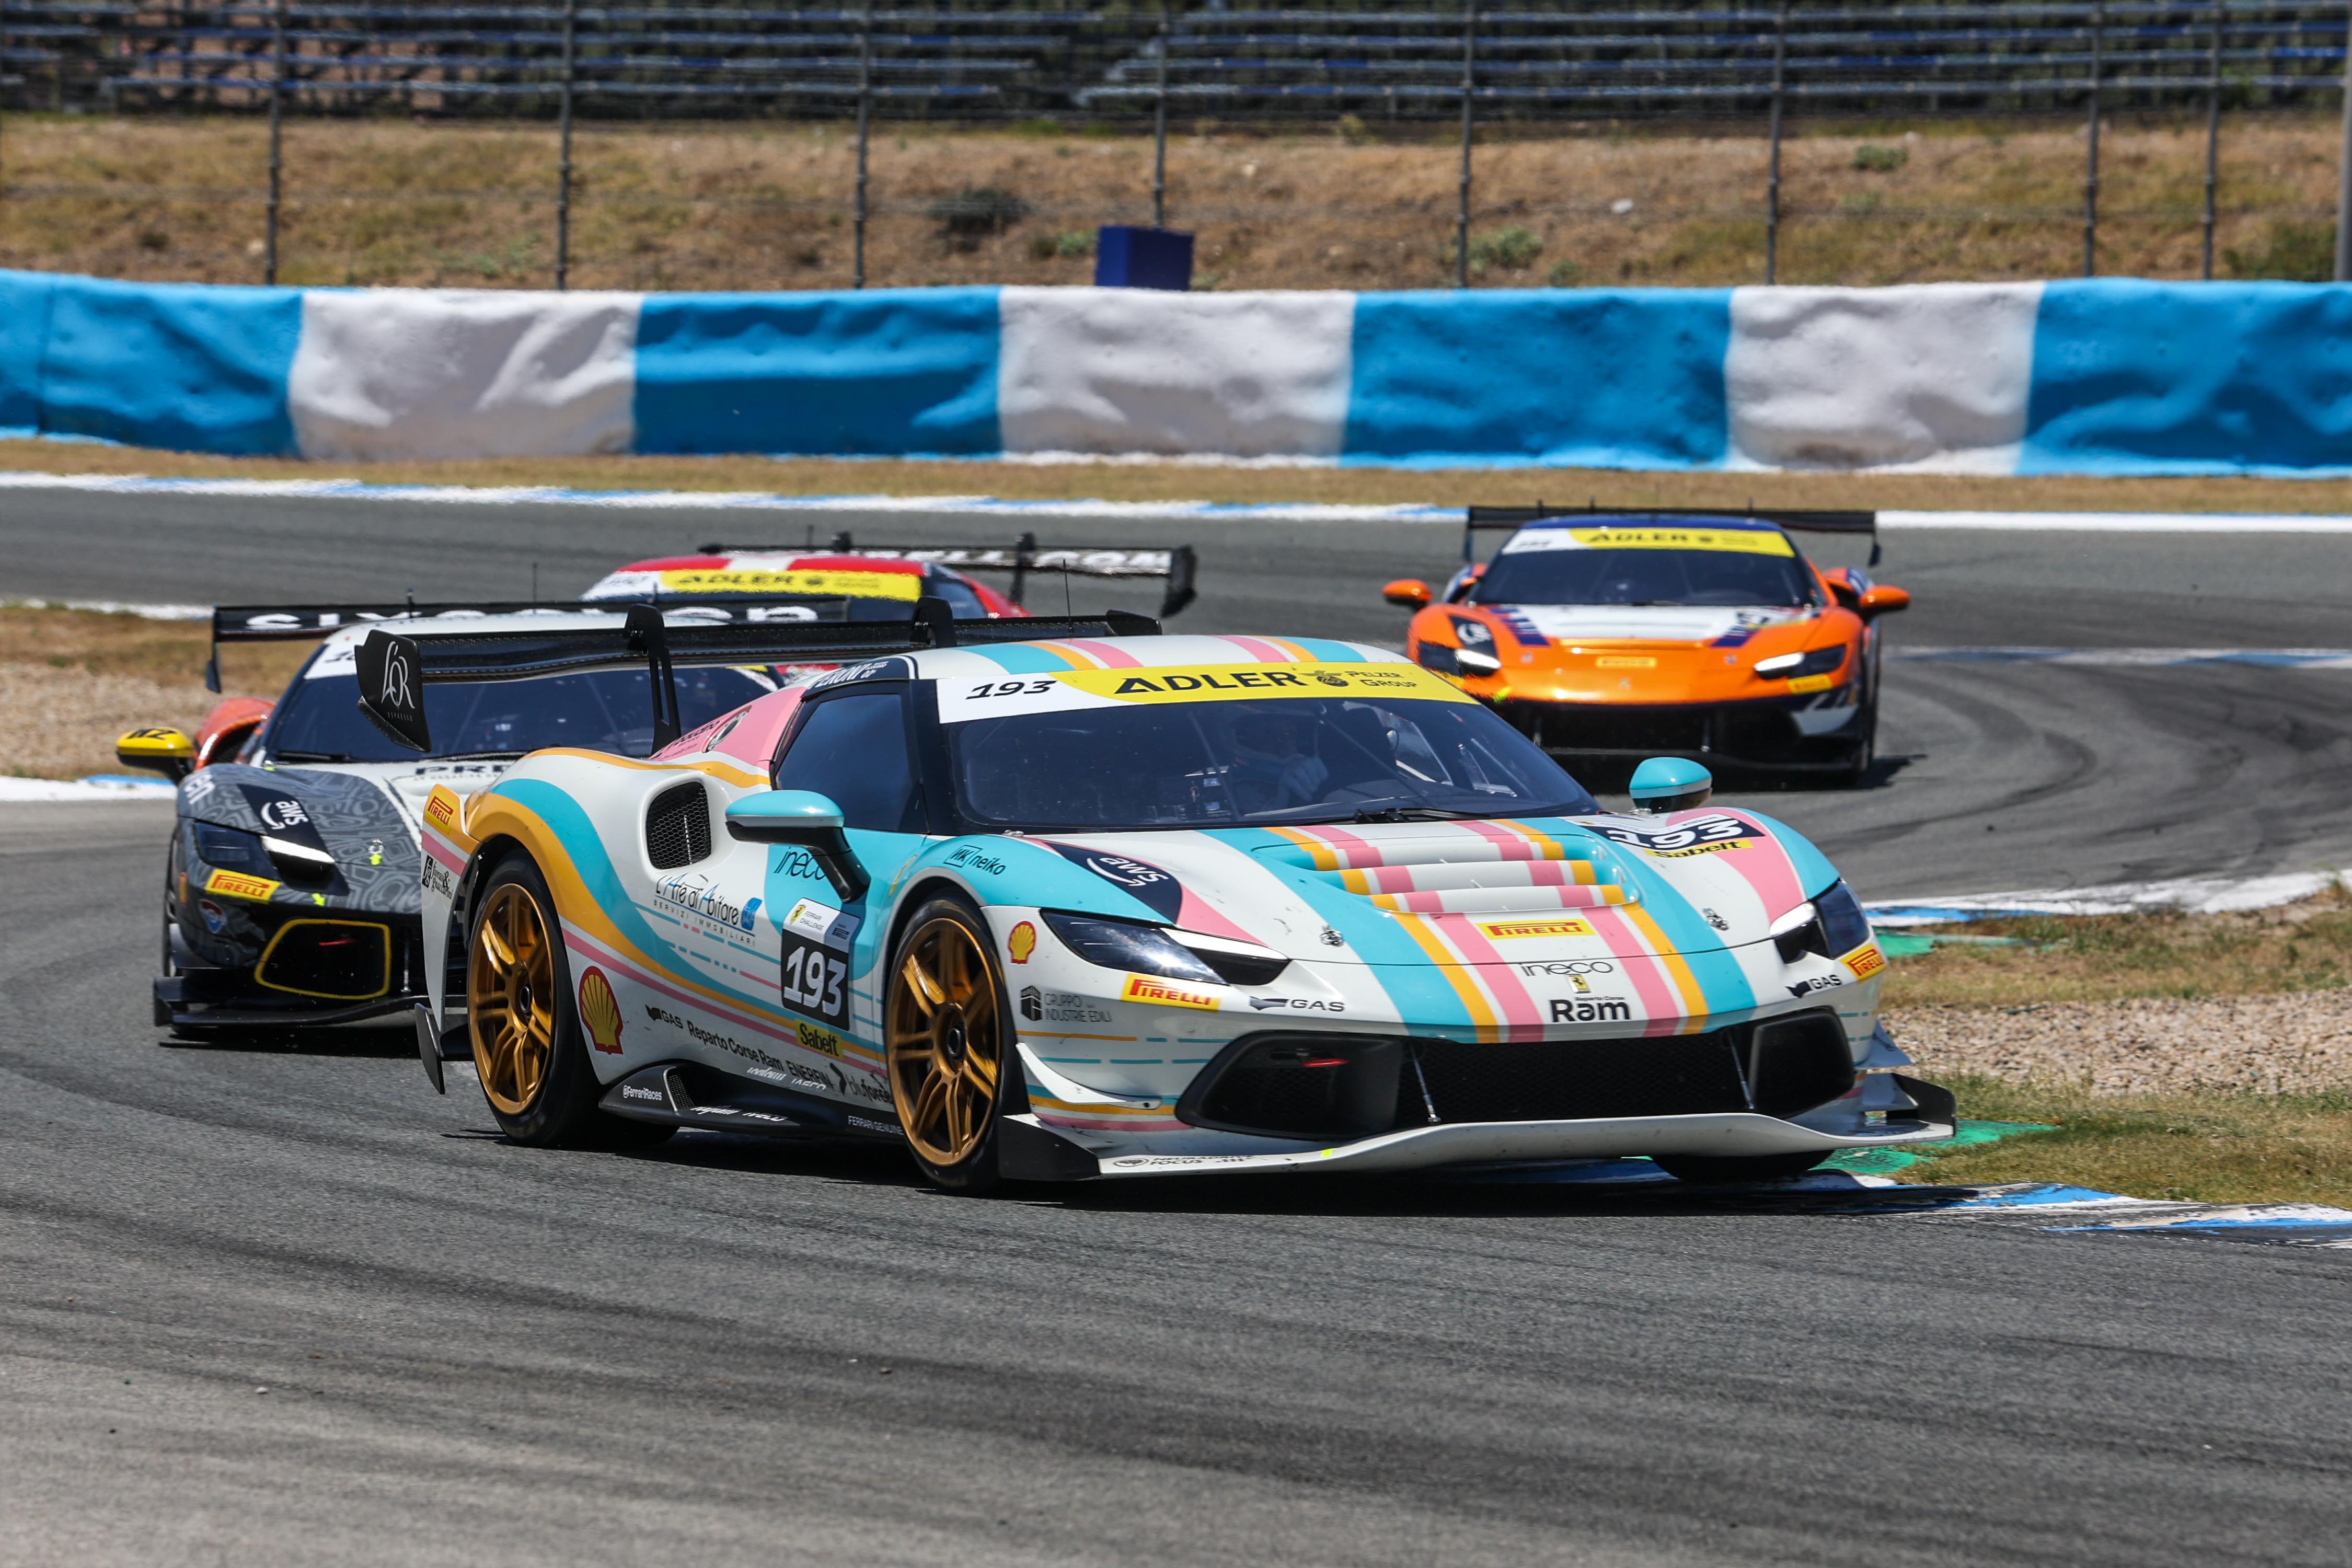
point(2344, 176)
point(1462, 208)
point(865, 103)
point(2213, 137)
point(276, 99)
point(563, 158)
point(2091, 158)
point(1159, 129)
point(1772, 181)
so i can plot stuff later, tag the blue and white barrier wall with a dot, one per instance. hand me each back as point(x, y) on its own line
point(2102, 376)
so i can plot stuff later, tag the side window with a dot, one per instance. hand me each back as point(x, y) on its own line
point(854, 750)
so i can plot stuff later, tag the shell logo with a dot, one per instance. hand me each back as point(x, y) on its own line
point(1022, 942)
point(600, 1011)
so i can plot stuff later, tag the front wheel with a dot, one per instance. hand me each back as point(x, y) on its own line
point(524, 1026)
point(944, 1020)
point(1712, 1169)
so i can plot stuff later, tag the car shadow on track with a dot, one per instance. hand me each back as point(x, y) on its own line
point(346, 1040)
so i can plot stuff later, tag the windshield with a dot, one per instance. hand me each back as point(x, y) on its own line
point(1640, 566)
point(600, 711)
point(1226, 764)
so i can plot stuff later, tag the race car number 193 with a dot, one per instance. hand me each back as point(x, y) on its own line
point(815, 982)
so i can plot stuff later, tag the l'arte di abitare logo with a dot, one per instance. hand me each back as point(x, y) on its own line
point(600, 1011)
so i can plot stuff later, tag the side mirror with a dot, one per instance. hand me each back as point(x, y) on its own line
point(1409, 593)
point(1670, 783)
point(805, 818)
point(159, 751)
point(1881, 600)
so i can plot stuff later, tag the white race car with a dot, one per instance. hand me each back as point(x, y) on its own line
point(1056, 900)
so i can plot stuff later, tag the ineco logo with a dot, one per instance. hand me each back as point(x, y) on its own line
point(1167, 993)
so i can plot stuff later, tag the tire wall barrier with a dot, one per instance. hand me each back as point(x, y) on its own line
point(2100, 377)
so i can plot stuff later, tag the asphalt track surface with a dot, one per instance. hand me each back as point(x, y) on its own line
point(266, 1306)
point(1991, 778)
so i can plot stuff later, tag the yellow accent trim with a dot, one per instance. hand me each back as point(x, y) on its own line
point(383, 935)
point(720, 770)
point(1292, 648)
point(1677, 969)
point(1324, 856)
point(445, 814)
point(1735, 541)
point(856, 584)
point(1248, 682)
point(1451, 966)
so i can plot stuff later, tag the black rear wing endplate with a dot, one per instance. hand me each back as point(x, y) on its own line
point(1177, 563)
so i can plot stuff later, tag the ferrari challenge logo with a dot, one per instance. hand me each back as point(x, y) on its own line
point(1864, 961)
point(1505, 931)
point(600, 1011)
point(1167, 993)
point(238, 885)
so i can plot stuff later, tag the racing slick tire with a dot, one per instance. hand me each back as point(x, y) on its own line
point(1865, 751)
point(525, 1026)
point(1712, 1170)
point(947, 1029)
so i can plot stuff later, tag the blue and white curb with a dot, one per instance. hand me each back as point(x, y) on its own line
point(2106, 375)
point(2135, 657)
point(2189, 895)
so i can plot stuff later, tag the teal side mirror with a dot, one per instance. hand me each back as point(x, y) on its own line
point(805, 818)
point(1670, 783)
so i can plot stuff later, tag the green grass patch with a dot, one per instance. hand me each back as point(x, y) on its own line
point(2190, 1148)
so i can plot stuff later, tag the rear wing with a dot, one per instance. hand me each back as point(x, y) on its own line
point(1480, 518)
point(393, 669)
point(1176, 563)
point(294, 623)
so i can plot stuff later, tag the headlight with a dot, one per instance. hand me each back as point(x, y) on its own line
point(1788, 665)
point(1832, 925)
point(231, 849)
point(1171, 954)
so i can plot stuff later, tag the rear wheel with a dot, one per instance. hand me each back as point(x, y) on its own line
point(945, 1023)
point(1715, 1168)
point(524, 1026)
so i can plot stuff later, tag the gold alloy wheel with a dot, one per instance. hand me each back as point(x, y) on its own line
point(946, 1042)
point(510, 998)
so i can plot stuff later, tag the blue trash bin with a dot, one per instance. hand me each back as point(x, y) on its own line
point(1130, 257)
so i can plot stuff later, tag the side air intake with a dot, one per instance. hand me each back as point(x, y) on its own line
point(678, 826)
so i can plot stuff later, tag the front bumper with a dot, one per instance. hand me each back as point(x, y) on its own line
point(1761, 732)
point(275, 987)
point(1726, 1135)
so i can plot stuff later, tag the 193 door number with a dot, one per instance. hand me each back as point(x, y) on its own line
point(815, 982)
point(1008, 688)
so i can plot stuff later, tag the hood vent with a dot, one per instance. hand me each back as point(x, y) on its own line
point(1465, 873)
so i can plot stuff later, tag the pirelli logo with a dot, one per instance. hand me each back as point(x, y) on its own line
point(1167, 993)
point(1507, 931)
point(1864, 961)
point(441, 809)
point(238, 885)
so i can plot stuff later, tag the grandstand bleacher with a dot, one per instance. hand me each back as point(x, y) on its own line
point(971, 59)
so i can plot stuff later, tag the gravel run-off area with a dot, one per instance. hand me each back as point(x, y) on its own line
point(62, 723)
point(2293, 1044)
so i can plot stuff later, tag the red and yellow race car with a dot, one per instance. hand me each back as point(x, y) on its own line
point(1624, 635)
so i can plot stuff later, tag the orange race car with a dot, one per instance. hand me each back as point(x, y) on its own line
point(1626, 634)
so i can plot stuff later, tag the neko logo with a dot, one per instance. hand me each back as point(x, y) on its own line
point(281, 814)
point(1033, 1005)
